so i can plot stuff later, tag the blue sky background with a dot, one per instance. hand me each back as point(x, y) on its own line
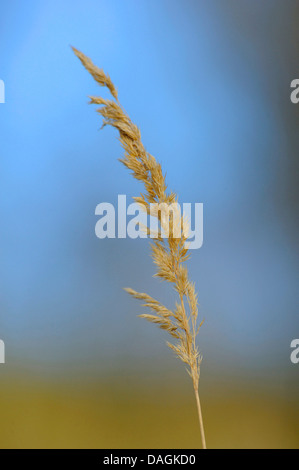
point(208, 83)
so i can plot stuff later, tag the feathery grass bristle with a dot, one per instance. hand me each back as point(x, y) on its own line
point(169, 257)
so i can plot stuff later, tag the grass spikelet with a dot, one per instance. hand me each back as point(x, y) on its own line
point(170, 256)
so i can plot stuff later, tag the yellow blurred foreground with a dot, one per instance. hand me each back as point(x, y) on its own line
point(111, 415)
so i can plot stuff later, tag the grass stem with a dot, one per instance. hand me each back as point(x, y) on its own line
point(202, 431)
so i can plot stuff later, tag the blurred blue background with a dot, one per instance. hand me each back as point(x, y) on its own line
point(208, 83)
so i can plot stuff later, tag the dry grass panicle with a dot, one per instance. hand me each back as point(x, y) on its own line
point(169, 257)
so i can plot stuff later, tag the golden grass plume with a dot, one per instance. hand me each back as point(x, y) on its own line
point(169, 257)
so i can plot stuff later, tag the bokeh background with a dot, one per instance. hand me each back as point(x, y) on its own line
point(208, 83)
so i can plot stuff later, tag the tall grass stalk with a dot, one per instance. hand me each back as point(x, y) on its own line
point(169, 256)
